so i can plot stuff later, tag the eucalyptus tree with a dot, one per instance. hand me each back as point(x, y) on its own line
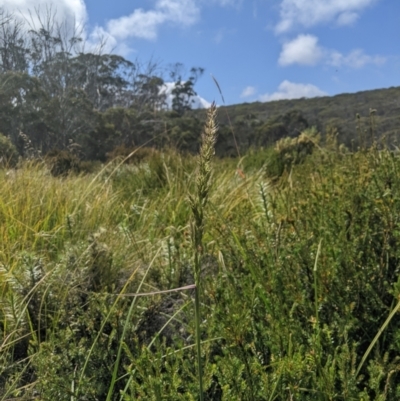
point(147, 88)
point(105, 78)
point(14, 49)
point(183, 93)
point(54, 93)
point(23, 109)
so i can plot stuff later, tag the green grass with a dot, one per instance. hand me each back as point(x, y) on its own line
point(297, 273)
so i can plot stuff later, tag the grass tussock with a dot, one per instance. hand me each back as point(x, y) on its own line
point(296, 274)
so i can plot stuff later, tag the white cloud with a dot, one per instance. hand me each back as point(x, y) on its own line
point(140, 23)
point(347, 18)
point(183, 12)
point(248, 91)
point(291, 90)
point(355, 59)
point(223, 3)
point(303, 50)
point(312, 12)
point(102, 41)
point(70, 11)
point(145, 24)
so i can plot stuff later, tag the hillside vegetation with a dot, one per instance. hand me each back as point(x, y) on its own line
point(293, 260)
point(349, 115)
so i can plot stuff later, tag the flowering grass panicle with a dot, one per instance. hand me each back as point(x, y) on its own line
point(198, 201)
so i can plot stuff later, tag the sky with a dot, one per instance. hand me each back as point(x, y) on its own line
point(257, 50)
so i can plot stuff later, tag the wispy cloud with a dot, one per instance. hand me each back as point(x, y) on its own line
point(355, 59)
point(99, 38)
point(224, 3)
point(348, 18)
point(248, 91)
point(219, 36)
point(305, 50)
point(145, 23)
point(308, 13)
point(222, 33)
point(291, 90)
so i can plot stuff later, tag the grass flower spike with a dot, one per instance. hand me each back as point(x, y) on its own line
point(198, 201)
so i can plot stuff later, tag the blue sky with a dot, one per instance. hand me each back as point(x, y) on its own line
point(256, 49)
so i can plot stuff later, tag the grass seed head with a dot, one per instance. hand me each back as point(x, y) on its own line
point(207, 151)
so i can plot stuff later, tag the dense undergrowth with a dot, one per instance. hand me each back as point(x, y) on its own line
point(299, 271)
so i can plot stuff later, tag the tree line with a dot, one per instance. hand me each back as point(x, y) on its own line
point(57, 92)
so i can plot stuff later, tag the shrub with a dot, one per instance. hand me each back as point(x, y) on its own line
point(139, 154)
point(62, 162)
point(291, 151)
point(8, 152)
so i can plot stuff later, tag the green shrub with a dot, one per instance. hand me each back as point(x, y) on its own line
point(290, 151)
point(63, 162)
point(138, 154)
point(295, 150)
point(8, 152)
point(297, 280)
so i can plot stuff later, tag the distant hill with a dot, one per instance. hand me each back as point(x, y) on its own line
point(261, 124)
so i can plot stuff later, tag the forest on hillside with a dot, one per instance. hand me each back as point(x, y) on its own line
point(358, 119)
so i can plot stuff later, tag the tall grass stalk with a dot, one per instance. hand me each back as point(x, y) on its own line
point(316, 284)
point(198, 202)
point(376, 338)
